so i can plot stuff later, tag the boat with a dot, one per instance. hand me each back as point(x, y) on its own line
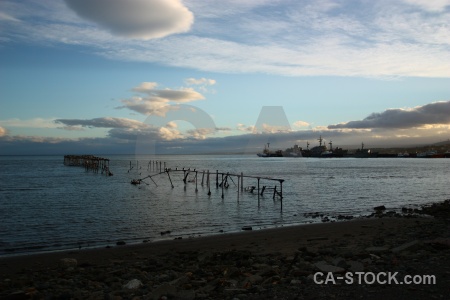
point(323, 151)
point(428, 154)
point(267, 153)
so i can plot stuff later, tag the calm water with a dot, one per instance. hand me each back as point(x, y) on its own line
point(45, 205)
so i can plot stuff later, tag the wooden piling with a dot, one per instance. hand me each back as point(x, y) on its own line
point(196, 189)
point(169, 179)
point(258, 191)
point(89, 162)
point(222, 186)
point(208, 183)
point(217, 179)
point(242, 182)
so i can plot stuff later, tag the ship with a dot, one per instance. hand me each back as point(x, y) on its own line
point(267, 153)
point(323, 151)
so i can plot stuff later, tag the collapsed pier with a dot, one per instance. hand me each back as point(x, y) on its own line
point(223, 180)
point(89, 162)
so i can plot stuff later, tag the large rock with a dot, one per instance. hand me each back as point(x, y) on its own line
point(133, 284)
point(380, 208)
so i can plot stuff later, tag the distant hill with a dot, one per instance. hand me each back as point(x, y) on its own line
point(440, 147)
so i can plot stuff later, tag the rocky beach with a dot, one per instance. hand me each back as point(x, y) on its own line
point(365, 258)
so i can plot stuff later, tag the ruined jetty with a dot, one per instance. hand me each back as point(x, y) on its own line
point(89, 162)
point(222, 180)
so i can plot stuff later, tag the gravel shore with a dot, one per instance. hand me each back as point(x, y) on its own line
point(279, 263)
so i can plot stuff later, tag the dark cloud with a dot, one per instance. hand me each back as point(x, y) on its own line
point(142, 19)
point(429, 114)
point(107, 122)
point(133, 134)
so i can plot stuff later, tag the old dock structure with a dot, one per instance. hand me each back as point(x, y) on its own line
point(223, 180)
point(89, 162)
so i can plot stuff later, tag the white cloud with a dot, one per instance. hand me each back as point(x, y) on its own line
point(147, 106)
point(182, 95)
point(141, 19)
point(145, 87)
point(300, 124)
point(169, 133)
point(430, 5)
point(200, 81)
point(200, 133)
point(308, 38)
point(159, 101)
point(245, 128)
point(171, 124)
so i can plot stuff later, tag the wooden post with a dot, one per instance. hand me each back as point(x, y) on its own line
point(242, 182)
point(170, 179)
point(196, 189)
point(222, 185)
point(239, 182)
point(203, 176)
point(281, 195)
point(217, 179)
point(208, 183)
point(262, 191)
point(258, 191)
point(160, 167)
point(281, 189)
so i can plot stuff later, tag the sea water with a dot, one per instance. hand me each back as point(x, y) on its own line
point(47, 206)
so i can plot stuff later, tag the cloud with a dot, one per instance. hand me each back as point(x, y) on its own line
point(433, 6)
point(268, 128)
point(169, 133)
point(182, 95)
point(158, 101)
point(106, 122)
point(6, 17)
point(147, 106)
point(300, 124)
point(200, 133)
point(429, 114)
point(200, 81)
point(3, 131)
point(245, 128)
point(145, 87)
point(294, 38)
point(31, 123)
point(140, 19)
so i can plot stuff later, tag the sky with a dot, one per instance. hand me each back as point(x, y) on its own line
point(204, 76)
